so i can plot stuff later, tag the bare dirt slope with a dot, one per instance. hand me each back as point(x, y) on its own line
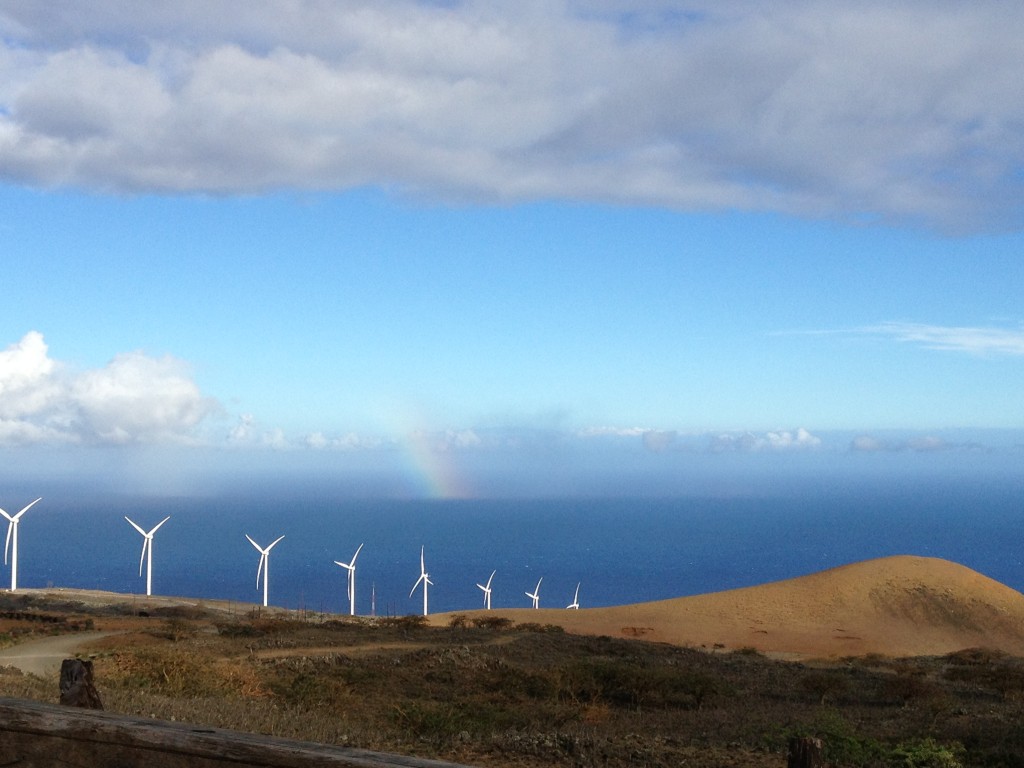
point(897, 606)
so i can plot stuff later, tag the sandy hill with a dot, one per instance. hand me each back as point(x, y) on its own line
point(897, 606)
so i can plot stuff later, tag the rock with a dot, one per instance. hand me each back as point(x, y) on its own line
point(76, 686)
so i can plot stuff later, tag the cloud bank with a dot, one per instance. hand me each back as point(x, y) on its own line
point(860, 111)
point(133, 399)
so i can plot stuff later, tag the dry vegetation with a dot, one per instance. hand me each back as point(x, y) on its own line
point(485, 691)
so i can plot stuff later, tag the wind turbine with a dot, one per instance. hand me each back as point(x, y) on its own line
point(147, 546)
point(425, 579)
point(575, 605)
point(487, 591)
point(351, 568)
point(12, 536)
point(535, 595)
point(264, 567)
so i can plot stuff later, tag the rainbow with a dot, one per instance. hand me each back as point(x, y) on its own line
point(433, 469)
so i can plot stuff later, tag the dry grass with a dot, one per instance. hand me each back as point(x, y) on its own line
point(532, 695)
point(501, 691)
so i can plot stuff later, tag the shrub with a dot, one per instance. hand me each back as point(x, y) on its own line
point(492, 622)
point(926, 753)
point(411, 621)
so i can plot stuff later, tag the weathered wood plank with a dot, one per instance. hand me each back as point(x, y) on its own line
point(34, 735)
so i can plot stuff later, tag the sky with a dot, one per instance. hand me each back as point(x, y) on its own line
point(452, 249)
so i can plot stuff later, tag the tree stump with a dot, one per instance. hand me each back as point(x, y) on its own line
point(805, 752)
point(76, 688)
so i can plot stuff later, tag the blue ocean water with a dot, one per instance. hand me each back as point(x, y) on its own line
point(620, 550)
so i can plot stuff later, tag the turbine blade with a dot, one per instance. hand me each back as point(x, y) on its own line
point(351, 574)
point(421, 578)
point(358, 550)
point(6, 515)
point(142, 557)
point(7, 544)
point(423, 568)
point(158, 525)
point(267, 550)
point(259, 570)
point(258, 547)
point(489, 580)
point(135, 525)
point(26, 509)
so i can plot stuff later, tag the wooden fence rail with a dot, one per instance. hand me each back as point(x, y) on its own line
point(36, 735)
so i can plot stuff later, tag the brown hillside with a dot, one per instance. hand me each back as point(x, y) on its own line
point(897, 606)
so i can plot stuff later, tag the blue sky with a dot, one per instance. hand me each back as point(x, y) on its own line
point(328, 235)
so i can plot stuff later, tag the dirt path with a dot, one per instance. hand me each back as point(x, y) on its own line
point(43, 657)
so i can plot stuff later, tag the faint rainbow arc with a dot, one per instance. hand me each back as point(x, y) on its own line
point(435, 469)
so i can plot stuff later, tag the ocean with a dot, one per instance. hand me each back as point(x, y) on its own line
point(619, 550)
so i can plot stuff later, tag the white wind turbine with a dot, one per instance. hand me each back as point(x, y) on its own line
point(576, 599)
point(535, 595)
point(12, 537)
point(264, 566)
point(147, 547)
point(487, 591)
point(425, 579)
point(351, 568)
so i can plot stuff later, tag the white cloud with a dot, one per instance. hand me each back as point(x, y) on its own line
point(915, 444)
point(350, 441)
point(973, 340)
point(613, 432)
point(798, 440)
point(661, 440)
point(133, 399)
point(27, 382)
point(904, 112)
point(868, 444)
point(243, 431)
point(446, 441)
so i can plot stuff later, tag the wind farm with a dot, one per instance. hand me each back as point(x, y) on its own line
point(423, 581)
point(194, 562)
point(649, 618)
point(147, 550)
point(12, 541)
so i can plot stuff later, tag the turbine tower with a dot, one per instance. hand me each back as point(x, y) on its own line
point(575, 604)
point(487, 591)
point(12, 542)
point(264, 566)
point(535, 595)
point(351, 568)
point(147, 547)
point(425, 579)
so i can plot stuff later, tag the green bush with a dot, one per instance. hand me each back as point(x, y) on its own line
point(926, 753)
